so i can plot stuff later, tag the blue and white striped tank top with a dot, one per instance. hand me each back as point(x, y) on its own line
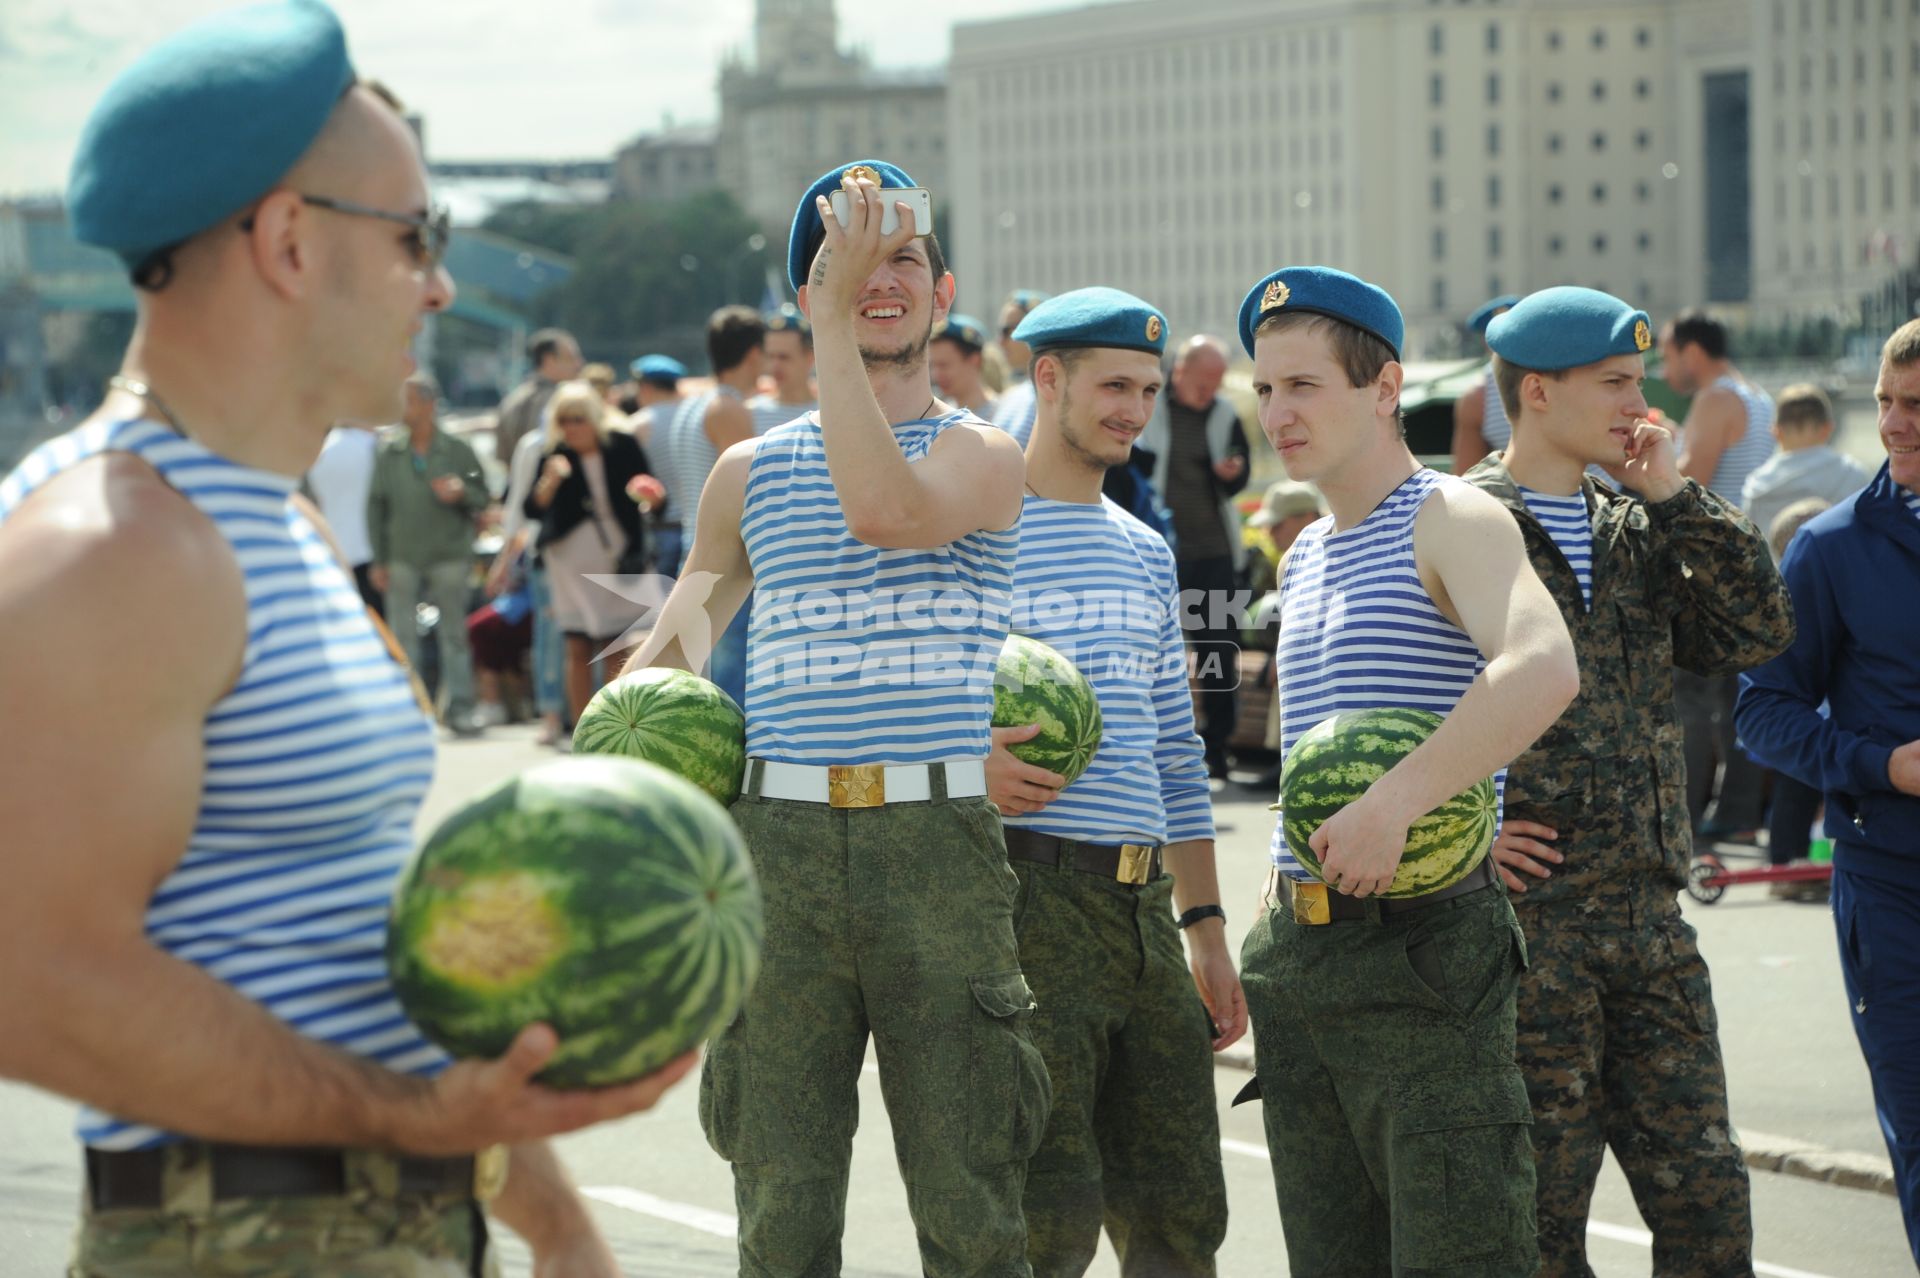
point(1570, 526)
point(857, 654)
point(1100, 586)
point(769, 412)
point(316, 763)
point(1494, 426)
point(1358, 630)
point(1751, 451)
point(1015, 410)
point(684, 457)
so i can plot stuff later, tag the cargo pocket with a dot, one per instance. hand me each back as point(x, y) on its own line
point(726, 1086)
point(1461, 1167)
point(1009, 1094)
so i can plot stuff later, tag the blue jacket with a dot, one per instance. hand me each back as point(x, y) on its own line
point(1854, 573)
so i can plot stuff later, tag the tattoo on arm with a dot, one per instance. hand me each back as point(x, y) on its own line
point(820, 267)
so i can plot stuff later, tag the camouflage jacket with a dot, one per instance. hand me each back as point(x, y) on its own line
point(1687, 582)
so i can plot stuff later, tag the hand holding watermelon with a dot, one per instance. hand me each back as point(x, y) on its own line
point(1017, 788)
point(1360, 846)
point(1035, 685)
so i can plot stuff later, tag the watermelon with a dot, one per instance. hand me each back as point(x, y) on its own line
point(674, 719)
point(606, 897)
point(1337, 759)
point(1033, 683)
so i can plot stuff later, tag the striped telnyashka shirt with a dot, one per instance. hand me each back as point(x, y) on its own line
point(1569, 525)
point(769, 412)
point(316, 762)
point(1359, 632)
point(1749, 452)
point(1015, 410)
point(1494, 426)
point(857, 654)
point(684, 455)
point(1100, 586)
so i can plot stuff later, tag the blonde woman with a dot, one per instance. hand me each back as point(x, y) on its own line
point(587, 500)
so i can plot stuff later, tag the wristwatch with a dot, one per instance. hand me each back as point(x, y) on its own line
point(1199, 912)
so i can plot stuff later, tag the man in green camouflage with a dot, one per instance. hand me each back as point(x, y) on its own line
point(1617, 1035)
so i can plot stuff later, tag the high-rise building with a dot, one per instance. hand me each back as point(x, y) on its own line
point(669, 165)
point(805, 104)
point(1446, 150)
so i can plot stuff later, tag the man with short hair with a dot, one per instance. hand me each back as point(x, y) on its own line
point(1616, 1027)
point(788, 360)
point(427, 490)
point(555, 358)
point(877, 537)
point(1014, 410)
point(955, 358)
point(1384, 1028)
point(1840, 710)
point(195, 949)
point(1480, 424)
point(1727, 435)
point(1807, 465)
point(1200, 464)
point(1134, 1140)
point(656, 385)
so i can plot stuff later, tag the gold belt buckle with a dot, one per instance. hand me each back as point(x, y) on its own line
point(1136, 862)
point(856, 785)
point(1309, 901)
point(489, 1172)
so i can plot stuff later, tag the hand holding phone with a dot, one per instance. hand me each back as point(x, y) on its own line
point(918, 200)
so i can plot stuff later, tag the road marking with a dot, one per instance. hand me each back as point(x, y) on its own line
point(1597, 1228)
point(717, 1223)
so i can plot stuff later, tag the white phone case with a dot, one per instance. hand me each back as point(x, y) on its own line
point(915, 198)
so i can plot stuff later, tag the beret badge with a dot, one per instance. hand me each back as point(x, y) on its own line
point(1153, 328)
point(1276, 296)
point(858, 171)
point(1642, 335)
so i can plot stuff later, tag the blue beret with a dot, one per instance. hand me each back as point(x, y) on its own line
point(203, 123)
point(1478, 321)
point(658, 368)
point(1568, 327)
point(806, 218)
point(1094, 317)
point(964, 330)
point(1027, 298)
point(788, 319)
point(1321, 290)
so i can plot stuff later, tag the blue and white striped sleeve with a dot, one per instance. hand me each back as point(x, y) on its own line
point(1178, 752)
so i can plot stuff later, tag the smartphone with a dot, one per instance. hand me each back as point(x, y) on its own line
point(915, 198)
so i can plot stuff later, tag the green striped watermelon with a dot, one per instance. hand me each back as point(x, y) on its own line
point(1033, 683)
point(1334, 763)
point(669, 717)
point(606, 897)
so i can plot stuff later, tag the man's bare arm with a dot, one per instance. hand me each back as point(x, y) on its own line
point(716, 579)
point(728, 423)
point(97, 817)
point(1469, 445)
point(1714, 424)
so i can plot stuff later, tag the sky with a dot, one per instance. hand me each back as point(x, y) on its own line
point(507, 79)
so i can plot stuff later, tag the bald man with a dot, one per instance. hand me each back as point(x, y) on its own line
point(1199, 454)
point(194, 923)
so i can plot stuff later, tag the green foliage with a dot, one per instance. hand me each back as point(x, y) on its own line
point(646, 276)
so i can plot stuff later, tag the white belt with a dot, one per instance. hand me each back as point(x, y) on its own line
point(866, 785)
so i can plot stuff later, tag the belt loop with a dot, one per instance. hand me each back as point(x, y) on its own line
point(1376, 916)
point(186, 1179)
point(756, 770)
point(937, 783)
point(1066, 853)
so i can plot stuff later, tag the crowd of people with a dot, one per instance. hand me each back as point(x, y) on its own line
point(1041, 967)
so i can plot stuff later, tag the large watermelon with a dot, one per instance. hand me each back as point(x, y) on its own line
point(678, 720)
point(606, 897)
point(1033, 683)
point(1337, 759)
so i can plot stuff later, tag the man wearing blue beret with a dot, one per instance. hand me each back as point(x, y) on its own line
point(1480, 423)
point(956, 357)
point(1616, 1026)
point(194, 933)
point(1395, 1115)
point(877, 538)
point(1134, 1139)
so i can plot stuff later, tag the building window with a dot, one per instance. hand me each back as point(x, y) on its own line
point(1642, 88)
point(1493, 241)
point(1493, 88)
point(1599, 90)
point(1493, 139)
point(1553, 246)
point(1553, 143)
point(1439, 244)
point(1493, 191)
point(1553, 91)
point(1642, 37)
point(1553, 40)
point(1599, 192)
point(1600, 244)
point(1599, 38)
point(1437, 142)
point(1493, 37)
point(1439, 193)
point(1554, 193)
point(1643, 241)
point(1599, 141)
point(1642, 140)
point(1493, 286)
point(1436, 40)
point(1436, 91)
point(1641, 191)
point(1439, 295)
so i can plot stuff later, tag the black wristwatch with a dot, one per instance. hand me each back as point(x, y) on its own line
point(1199, 912)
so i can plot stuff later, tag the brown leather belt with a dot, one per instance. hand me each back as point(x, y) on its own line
point(1135, 863)
point(133, 1178)
point(1315, 903)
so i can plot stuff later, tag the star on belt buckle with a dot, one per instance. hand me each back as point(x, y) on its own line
point(856, 785)
point(489, 1172)
point(1309, 901)
point(1136, 862)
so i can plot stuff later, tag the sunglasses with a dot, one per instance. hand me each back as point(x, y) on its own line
point(432, 230)
point(574, 419)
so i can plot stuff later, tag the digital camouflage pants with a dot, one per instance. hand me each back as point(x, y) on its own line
point(1395, 1115)
point(894, 922)
point(371, 1231)
point(1620, 1046)
point(1134, 1139)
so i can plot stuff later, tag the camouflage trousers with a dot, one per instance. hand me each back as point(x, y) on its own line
point(371, 1231)
point(1395, 1115)
point(1134, 1138)
point(1620, 1046)
point(895, 922)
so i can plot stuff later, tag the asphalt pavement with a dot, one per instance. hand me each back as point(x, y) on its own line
point(666, 1201)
